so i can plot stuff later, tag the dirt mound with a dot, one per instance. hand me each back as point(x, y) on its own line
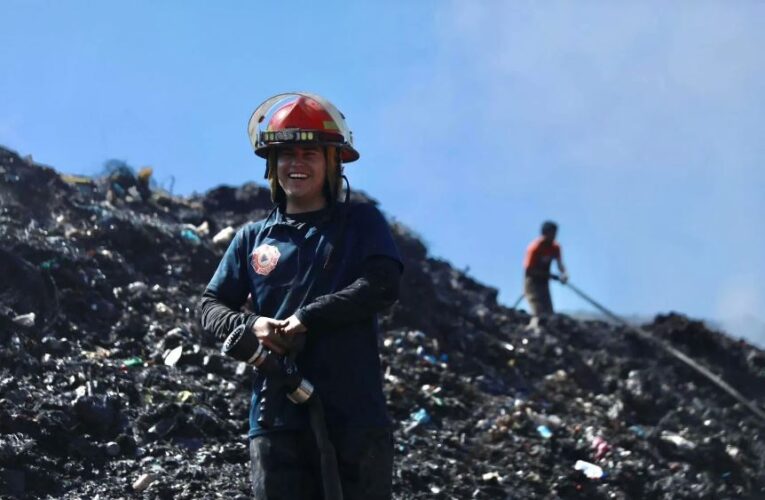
point(108, 385)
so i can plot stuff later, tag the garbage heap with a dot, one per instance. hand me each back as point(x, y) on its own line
point(109, 388)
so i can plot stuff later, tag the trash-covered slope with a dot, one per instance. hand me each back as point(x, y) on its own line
point(109, 387)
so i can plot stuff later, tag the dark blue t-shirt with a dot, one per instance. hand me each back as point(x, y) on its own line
point(277, 260)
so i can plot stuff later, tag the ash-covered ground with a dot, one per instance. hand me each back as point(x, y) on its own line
point(110, 389)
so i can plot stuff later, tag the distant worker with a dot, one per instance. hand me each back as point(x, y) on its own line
point(539, 256)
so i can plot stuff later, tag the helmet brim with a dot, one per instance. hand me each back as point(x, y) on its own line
point(343, 138)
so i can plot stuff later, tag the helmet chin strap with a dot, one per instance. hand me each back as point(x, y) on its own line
point(333, 200)
point(347, 189)
point(341, 212)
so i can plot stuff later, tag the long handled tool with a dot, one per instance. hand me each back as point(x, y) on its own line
point(715, 379)
point(518, 302)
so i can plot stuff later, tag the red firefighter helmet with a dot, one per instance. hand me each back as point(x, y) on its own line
point(300, 118)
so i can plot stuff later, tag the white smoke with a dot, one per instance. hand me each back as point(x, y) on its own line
point(637, 125)
point(738, 303)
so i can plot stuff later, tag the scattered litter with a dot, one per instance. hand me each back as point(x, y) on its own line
point(144, 481)
point(544, 431)
point(592, 471)
point(172, 356)
point(677, 440)
point(27, 320)
point(134, 362)
point(224, 236)
point(115, 378)
point(638, 431)
point(112, 449)
point(492, 476)
point(418, 418)
point(600, 447)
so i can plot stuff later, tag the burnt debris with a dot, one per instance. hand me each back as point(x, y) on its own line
point(109, 387)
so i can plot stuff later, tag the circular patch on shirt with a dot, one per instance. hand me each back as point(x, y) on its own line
point(265, 258)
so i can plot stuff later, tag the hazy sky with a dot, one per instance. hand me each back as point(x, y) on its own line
point(639, 127)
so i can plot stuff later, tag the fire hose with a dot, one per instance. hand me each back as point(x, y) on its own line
point(677, 354)
point(282, 377)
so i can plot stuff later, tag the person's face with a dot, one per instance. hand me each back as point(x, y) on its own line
point(549, 236)
point(302, 172)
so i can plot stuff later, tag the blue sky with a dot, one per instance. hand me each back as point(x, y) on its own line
point(639, 127)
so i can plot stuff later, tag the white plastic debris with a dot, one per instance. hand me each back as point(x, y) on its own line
point(25, 319)
point(557, 376)
point(491, 476)
point(144, 481)
point(677, 440)
point(172, 356)
point(203, 229)
point(592, 471)
point(112, 449)
point(162, 308)
point(137, 286)
point(224, 236)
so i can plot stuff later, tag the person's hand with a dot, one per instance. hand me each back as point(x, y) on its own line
point(563, 278)
point(268, 331)
point(293, 326)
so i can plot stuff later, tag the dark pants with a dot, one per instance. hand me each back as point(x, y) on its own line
point(285, 465)
point(537, 292)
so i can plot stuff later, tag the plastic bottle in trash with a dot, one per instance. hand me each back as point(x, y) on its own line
point(420, 417)
point(133, 362)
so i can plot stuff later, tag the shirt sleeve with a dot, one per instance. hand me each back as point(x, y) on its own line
point(375, 290)
point(230, 283)
point(377, 238)
point(220, 306)
point(219, 319)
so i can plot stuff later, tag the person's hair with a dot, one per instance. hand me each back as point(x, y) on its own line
point(549, 226)
point(331, 186)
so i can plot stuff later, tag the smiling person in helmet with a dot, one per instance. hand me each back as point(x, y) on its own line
point(318, 268)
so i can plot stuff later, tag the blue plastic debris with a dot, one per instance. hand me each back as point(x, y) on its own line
point(420, 417)
point(544, 431)
point(190, 235)
point(638, 431)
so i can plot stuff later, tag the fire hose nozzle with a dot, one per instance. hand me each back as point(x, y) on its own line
point(244, 347)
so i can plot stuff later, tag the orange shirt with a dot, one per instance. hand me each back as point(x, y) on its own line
point(539, 255)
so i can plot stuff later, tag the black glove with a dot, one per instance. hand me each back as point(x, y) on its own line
point(243, 345)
